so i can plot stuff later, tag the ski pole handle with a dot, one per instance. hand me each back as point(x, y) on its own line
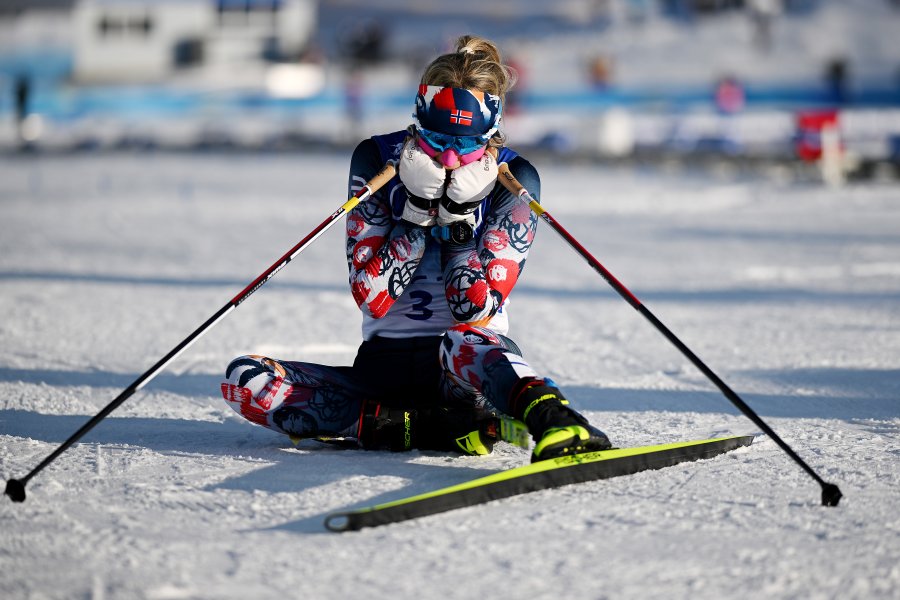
point(518, 190)
point(510, 182)
point(376, 183)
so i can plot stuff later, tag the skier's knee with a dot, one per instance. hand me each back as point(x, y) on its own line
point(472, 334)
point(245, 371)
point(251, 385)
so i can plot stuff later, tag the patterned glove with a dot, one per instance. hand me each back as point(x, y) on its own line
point(424, 180)
point(468, 186)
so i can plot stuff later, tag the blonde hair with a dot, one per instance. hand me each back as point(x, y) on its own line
point(476, 64)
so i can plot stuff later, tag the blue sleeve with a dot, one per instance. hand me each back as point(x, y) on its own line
point(527, 175)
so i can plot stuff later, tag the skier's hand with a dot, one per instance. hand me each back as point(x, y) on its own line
point(468, 186)
point(424, 180)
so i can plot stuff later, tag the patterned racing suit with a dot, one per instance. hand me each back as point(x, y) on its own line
point(434, 315)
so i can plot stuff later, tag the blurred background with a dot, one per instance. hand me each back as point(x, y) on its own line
point(808, 87)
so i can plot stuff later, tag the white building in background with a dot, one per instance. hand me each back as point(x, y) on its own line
point(208, 44)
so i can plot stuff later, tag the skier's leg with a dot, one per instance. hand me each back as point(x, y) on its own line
point(478, 360)
point(407, 407)
point(300, 399)
point(464, 430)
point(479, 363)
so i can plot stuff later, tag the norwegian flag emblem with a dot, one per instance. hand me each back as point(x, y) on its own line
point(461, 117)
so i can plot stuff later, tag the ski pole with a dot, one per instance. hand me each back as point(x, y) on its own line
point(831, 495)
point(15, 488)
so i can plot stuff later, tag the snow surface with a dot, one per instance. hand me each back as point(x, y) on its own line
point(789, 292)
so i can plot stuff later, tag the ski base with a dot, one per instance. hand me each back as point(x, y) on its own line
point(566, 470)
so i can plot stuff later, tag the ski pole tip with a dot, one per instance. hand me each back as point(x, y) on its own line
point(831, 495)
point(15, 489)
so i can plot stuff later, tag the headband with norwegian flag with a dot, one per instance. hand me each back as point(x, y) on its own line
point(457, 111)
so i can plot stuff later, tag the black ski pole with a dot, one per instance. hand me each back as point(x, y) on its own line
point(15, 488)
point(831, 495)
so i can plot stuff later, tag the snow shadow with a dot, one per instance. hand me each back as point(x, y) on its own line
point(785, 237)
point(230, 437)
point(755, 295)
point(186, 384)
point(835, 393)
point(352, 474)
point(179, 282)
point(832, 393)
point(287, 469)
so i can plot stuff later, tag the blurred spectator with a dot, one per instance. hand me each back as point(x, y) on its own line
point(22, 91)
point(514, 95)
point(366, 43)
point(353, 101)
point(712, 7)
point(600, 72)
point(729, 96)
point(799, 7)
point(681, 10)
point(730, 100)
point(836, 79)
point(763, 14)
point(638, 11)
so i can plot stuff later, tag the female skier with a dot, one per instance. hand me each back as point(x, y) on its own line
point(433, 257)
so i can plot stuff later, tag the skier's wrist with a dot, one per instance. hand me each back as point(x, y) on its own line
point(457, 234)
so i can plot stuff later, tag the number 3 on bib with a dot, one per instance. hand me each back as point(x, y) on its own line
point(419, 310)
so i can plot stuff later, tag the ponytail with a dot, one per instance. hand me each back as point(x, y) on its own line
point(476, 64)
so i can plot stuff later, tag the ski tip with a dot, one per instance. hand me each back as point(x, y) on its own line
point(831, 495)
point(15, 489)
point(339, 522)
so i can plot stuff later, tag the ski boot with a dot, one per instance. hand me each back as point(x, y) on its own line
point(556, 429)
point(463, 430)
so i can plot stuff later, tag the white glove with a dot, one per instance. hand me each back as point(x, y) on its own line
point(424, 181)
point(468, 186)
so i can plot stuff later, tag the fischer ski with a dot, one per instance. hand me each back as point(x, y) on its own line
point(566, 470)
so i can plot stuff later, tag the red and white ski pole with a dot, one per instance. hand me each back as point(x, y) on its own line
point(15, 488)
point(831, 495)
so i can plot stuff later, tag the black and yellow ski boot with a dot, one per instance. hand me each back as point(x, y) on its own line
point(462, 430)
point(556, 429)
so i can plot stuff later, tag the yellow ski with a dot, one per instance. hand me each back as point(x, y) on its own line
point(576, 468)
